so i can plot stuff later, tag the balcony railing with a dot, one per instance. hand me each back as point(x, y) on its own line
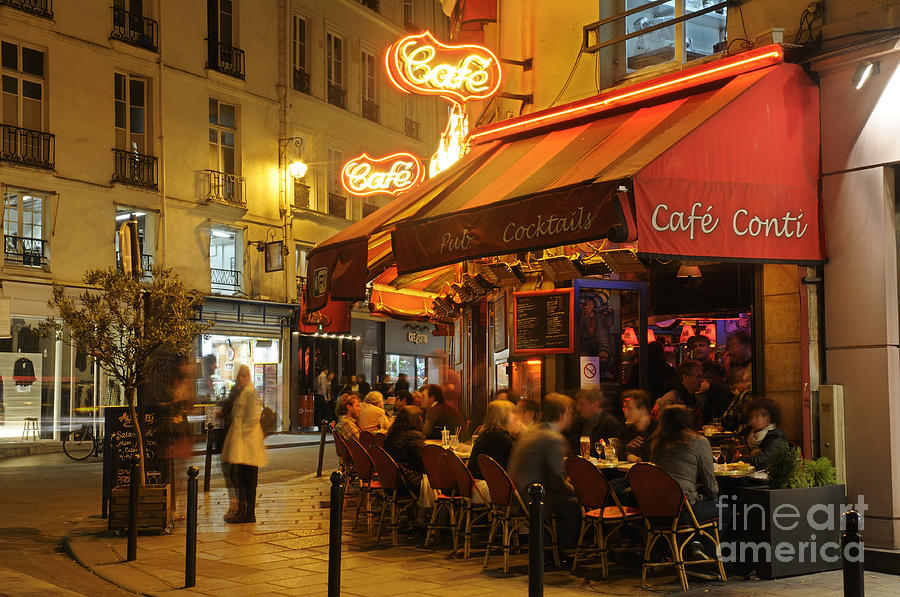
point(41, 8)
point(412, 128)
point(337, 96)
point(135, 169)
point(146, 265)
point(229, 60)
point(225, 188)
point(301, 195)
point(135, 29)
point(225, 280)
point(370, 110)
point(28, 147)
point(337, 205)
point(370, 4)
point(21, 250)
point(301, 80)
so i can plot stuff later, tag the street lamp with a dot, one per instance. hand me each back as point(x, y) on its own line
point(295, 165)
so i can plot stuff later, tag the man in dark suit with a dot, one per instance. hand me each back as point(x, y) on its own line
point(538, 457)
point(439, 414)
point(593, 421)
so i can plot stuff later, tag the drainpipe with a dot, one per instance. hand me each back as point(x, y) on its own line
point(162, 227)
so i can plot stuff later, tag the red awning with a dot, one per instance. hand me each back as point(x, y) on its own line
point(746, 148)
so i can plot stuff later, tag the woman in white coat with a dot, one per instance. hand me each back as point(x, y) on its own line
point(244, 448)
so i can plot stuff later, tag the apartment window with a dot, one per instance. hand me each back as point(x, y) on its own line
point(23, 86)
point(223, 137)
point(226, 259)
point(301, 59)
point(370, 4)
point(337, 202)
point(335, 70)
point(368, 84)
point(694, 38)
point(131, 26)
point(223, 55)
point(146, 235)
point(24, 225)
point(131, 113)
point(409, 14)
point(410, 117)
point(302, 254)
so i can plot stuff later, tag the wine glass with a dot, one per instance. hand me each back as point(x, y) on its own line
point(717, 454)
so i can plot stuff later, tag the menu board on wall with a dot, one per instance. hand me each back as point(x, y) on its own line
point(265, 379)
point(543, 321)
point(123, 436)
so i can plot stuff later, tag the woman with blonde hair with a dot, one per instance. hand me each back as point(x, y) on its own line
point(495, 438)
point(244, 446)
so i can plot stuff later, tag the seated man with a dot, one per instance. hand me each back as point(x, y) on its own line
point(538, 457)
point(593, 421)
point(690, 378)
point(633, 441)
point(439, 414)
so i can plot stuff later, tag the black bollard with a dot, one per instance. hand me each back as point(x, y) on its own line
point(133, 486)
point(536, 541)
point(190, 549)
point(107, 476)
point(854, 578)
point(321, 448)
point(207, 466)
point(334, 538)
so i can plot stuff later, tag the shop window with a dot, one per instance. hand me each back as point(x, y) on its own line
point(700, 36)
point(25, 228)
point(226, 260)
point(146, 226)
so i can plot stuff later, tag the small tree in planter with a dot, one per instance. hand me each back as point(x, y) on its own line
point(121, 322)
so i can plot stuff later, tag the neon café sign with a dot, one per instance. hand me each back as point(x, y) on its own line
point(393, 174)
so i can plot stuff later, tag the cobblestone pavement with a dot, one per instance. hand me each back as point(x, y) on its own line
point(286, 553)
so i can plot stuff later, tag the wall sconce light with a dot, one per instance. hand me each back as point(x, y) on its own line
point(689, 271)
point(863, 71)
point(295, 165)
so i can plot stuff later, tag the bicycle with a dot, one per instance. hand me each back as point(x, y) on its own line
point(80, 444)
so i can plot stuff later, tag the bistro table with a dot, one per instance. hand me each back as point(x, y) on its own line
point(720, 470)
point(464, 451)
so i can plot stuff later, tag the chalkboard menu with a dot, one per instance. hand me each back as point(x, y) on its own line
point(123, 442)
point(543, 321)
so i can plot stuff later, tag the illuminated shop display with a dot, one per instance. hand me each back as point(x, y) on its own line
point(393, 174)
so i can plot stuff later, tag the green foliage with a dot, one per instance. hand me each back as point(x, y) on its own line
point(787, 469)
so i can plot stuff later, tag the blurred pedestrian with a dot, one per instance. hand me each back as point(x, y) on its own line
point(244, 446)
point(178, 404)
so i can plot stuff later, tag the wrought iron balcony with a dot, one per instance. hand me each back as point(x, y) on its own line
point(146, 265)
point(225, 188)
point(301, 80)
point(412, 128)
point(135, 29)
point(135, 169)
point(28, 147)
point(228, 60)
point(301, 195)
point(370, 110)
point(227, 281)
point(40, 8)
point(337, 205)
point(21, 250)
point(337, 96)
point(370, 4)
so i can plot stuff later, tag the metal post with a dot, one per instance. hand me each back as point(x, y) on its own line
point(853, 570)
point(536, 541)
point(321, 448)
point(334, 538)
point(207, 469)
point(190, 551)
point(133, 485)
point(107, 475)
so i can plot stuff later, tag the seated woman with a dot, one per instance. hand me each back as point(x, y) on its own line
point(404, 442)
point(495, 438)
point(372, 417)
point(687, 456)
point(639, 426)
point(526, 414)
point(764, 416)
point(348, 410)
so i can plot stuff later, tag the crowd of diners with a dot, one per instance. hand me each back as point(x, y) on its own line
point(532, 441)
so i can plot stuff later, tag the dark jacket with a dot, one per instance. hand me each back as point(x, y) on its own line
point(632, 441)
point(760, 458)
point(537, 457)
point(691, 465)
point(496, 443)
point(405, 447)
point(441, 415)
point(679, 395)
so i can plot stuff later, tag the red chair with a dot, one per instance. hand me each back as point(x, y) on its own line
point(396, 494)
point(369, 486)
point(474, 503)
point(508, 511)
point(443, 482)
point(662, 501)
point(345, 465)
point(600, 508)
point(366, 438)
point(380, 439)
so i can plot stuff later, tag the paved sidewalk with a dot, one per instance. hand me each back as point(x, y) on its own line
point(286, 553)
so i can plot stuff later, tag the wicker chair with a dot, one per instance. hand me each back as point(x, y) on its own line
point(397, 497)
point(442, 480)
point(369, 486)
point(474, 504)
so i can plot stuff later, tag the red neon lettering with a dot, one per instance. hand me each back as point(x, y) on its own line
point(365, 175)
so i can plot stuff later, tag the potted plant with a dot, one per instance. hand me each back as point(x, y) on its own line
point(121, 322)
point(792, 526)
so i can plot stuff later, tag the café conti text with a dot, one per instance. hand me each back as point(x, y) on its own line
point(743, 223)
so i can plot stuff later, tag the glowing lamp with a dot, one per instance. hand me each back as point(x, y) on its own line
point(297, 169)
point(651, 337)
point(421, 64)
point(393, 174)
point(533, 362)
point(686, 332)
point(629, 337)
point(863, 71)
point(689, 271)
point(709, 330)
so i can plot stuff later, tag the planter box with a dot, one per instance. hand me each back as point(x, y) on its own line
point(800, 527)
point(153, 507)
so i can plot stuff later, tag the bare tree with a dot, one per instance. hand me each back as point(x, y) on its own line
point(121, 322)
